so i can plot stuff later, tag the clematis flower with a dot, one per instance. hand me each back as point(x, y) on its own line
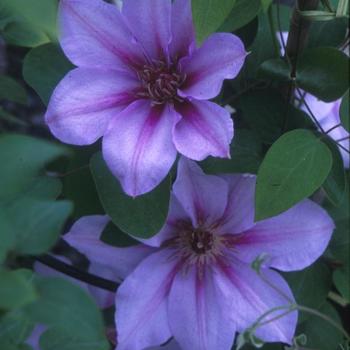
point(142, 85)
point(193, 281)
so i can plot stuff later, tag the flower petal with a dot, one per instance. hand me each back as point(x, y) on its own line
point(94, 34)
point(199, 308)
point(85, 237)
point(220, 57)
point(204, 197)
point(138, 147)
point(150, 23)
point(205, 129)
point(182, 29)
point(171, 345)
point(319, 108)
point(84, 103)
point(141, 303)
point(292, 240)
point(239, 213)
point(253, 297)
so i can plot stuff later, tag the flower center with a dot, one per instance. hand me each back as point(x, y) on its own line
point(160, 83)
point(201, 241)
point(199, 245)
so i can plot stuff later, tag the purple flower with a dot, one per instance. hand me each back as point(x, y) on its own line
point(193, 280)
point(142, 85)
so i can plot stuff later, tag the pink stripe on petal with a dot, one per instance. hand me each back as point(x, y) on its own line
point(203, 197)
point(182, 29)
point(150, 23)
point(200, 307)
point(206, 129)
point(220, 57)
point(138, 147)
point(94, 34)
point(85, 101)
point(253, 297)
point(292, 240)
point(239, 213)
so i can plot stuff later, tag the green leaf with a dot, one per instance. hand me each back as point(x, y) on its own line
point(266, 4)
point(329, 33)
point(11, 90)
point(295, 166)
point(25, 157)
point(275, 69)
point(208, 15)
point(15, 326)
point(113, 236)
point(335, 183)
point(310, 286)
point(44, 67)
point(339, 247)
point(78, 184)
point(30, 218)
point(34, 224)
point(241, 14)
point(323, 71)
point(246, 155)
point(28, 22)
point(344, 112)
point(16, 289)
point(321, 335)
point(70, 312)
point(269, 114)
point(142, 216)
point(262, 48)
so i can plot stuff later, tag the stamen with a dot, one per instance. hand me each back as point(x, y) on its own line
point(160, 83)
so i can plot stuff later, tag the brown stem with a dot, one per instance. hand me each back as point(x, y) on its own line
point(299, 32)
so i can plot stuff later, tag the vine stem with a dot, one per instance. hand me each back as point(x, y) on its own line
point(76, 273)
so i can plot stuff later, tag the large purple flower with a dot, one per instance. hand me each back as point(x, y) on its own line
point(193, 280)
point(142, 84)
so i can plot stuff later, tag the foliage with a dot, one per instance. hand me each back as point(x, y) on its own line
point(44, 185)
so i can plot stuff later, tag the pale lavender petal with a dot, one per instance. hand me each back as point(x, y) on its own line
point(141, 303)
point(104, 298)
point(150, 22)
point(220, 57)
point(292, 240)
point(85, 101)
point(171, 345)
point(282, 38)
point(252, 297)
point(319, 108)
point(85, 237)
point(182, 29)
point(176, 215)
point(138, 147)
point(94, 34)
point(239, 213)
point(204, 197)
point(34, 338)
point(200, 307)
point(206, 129)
